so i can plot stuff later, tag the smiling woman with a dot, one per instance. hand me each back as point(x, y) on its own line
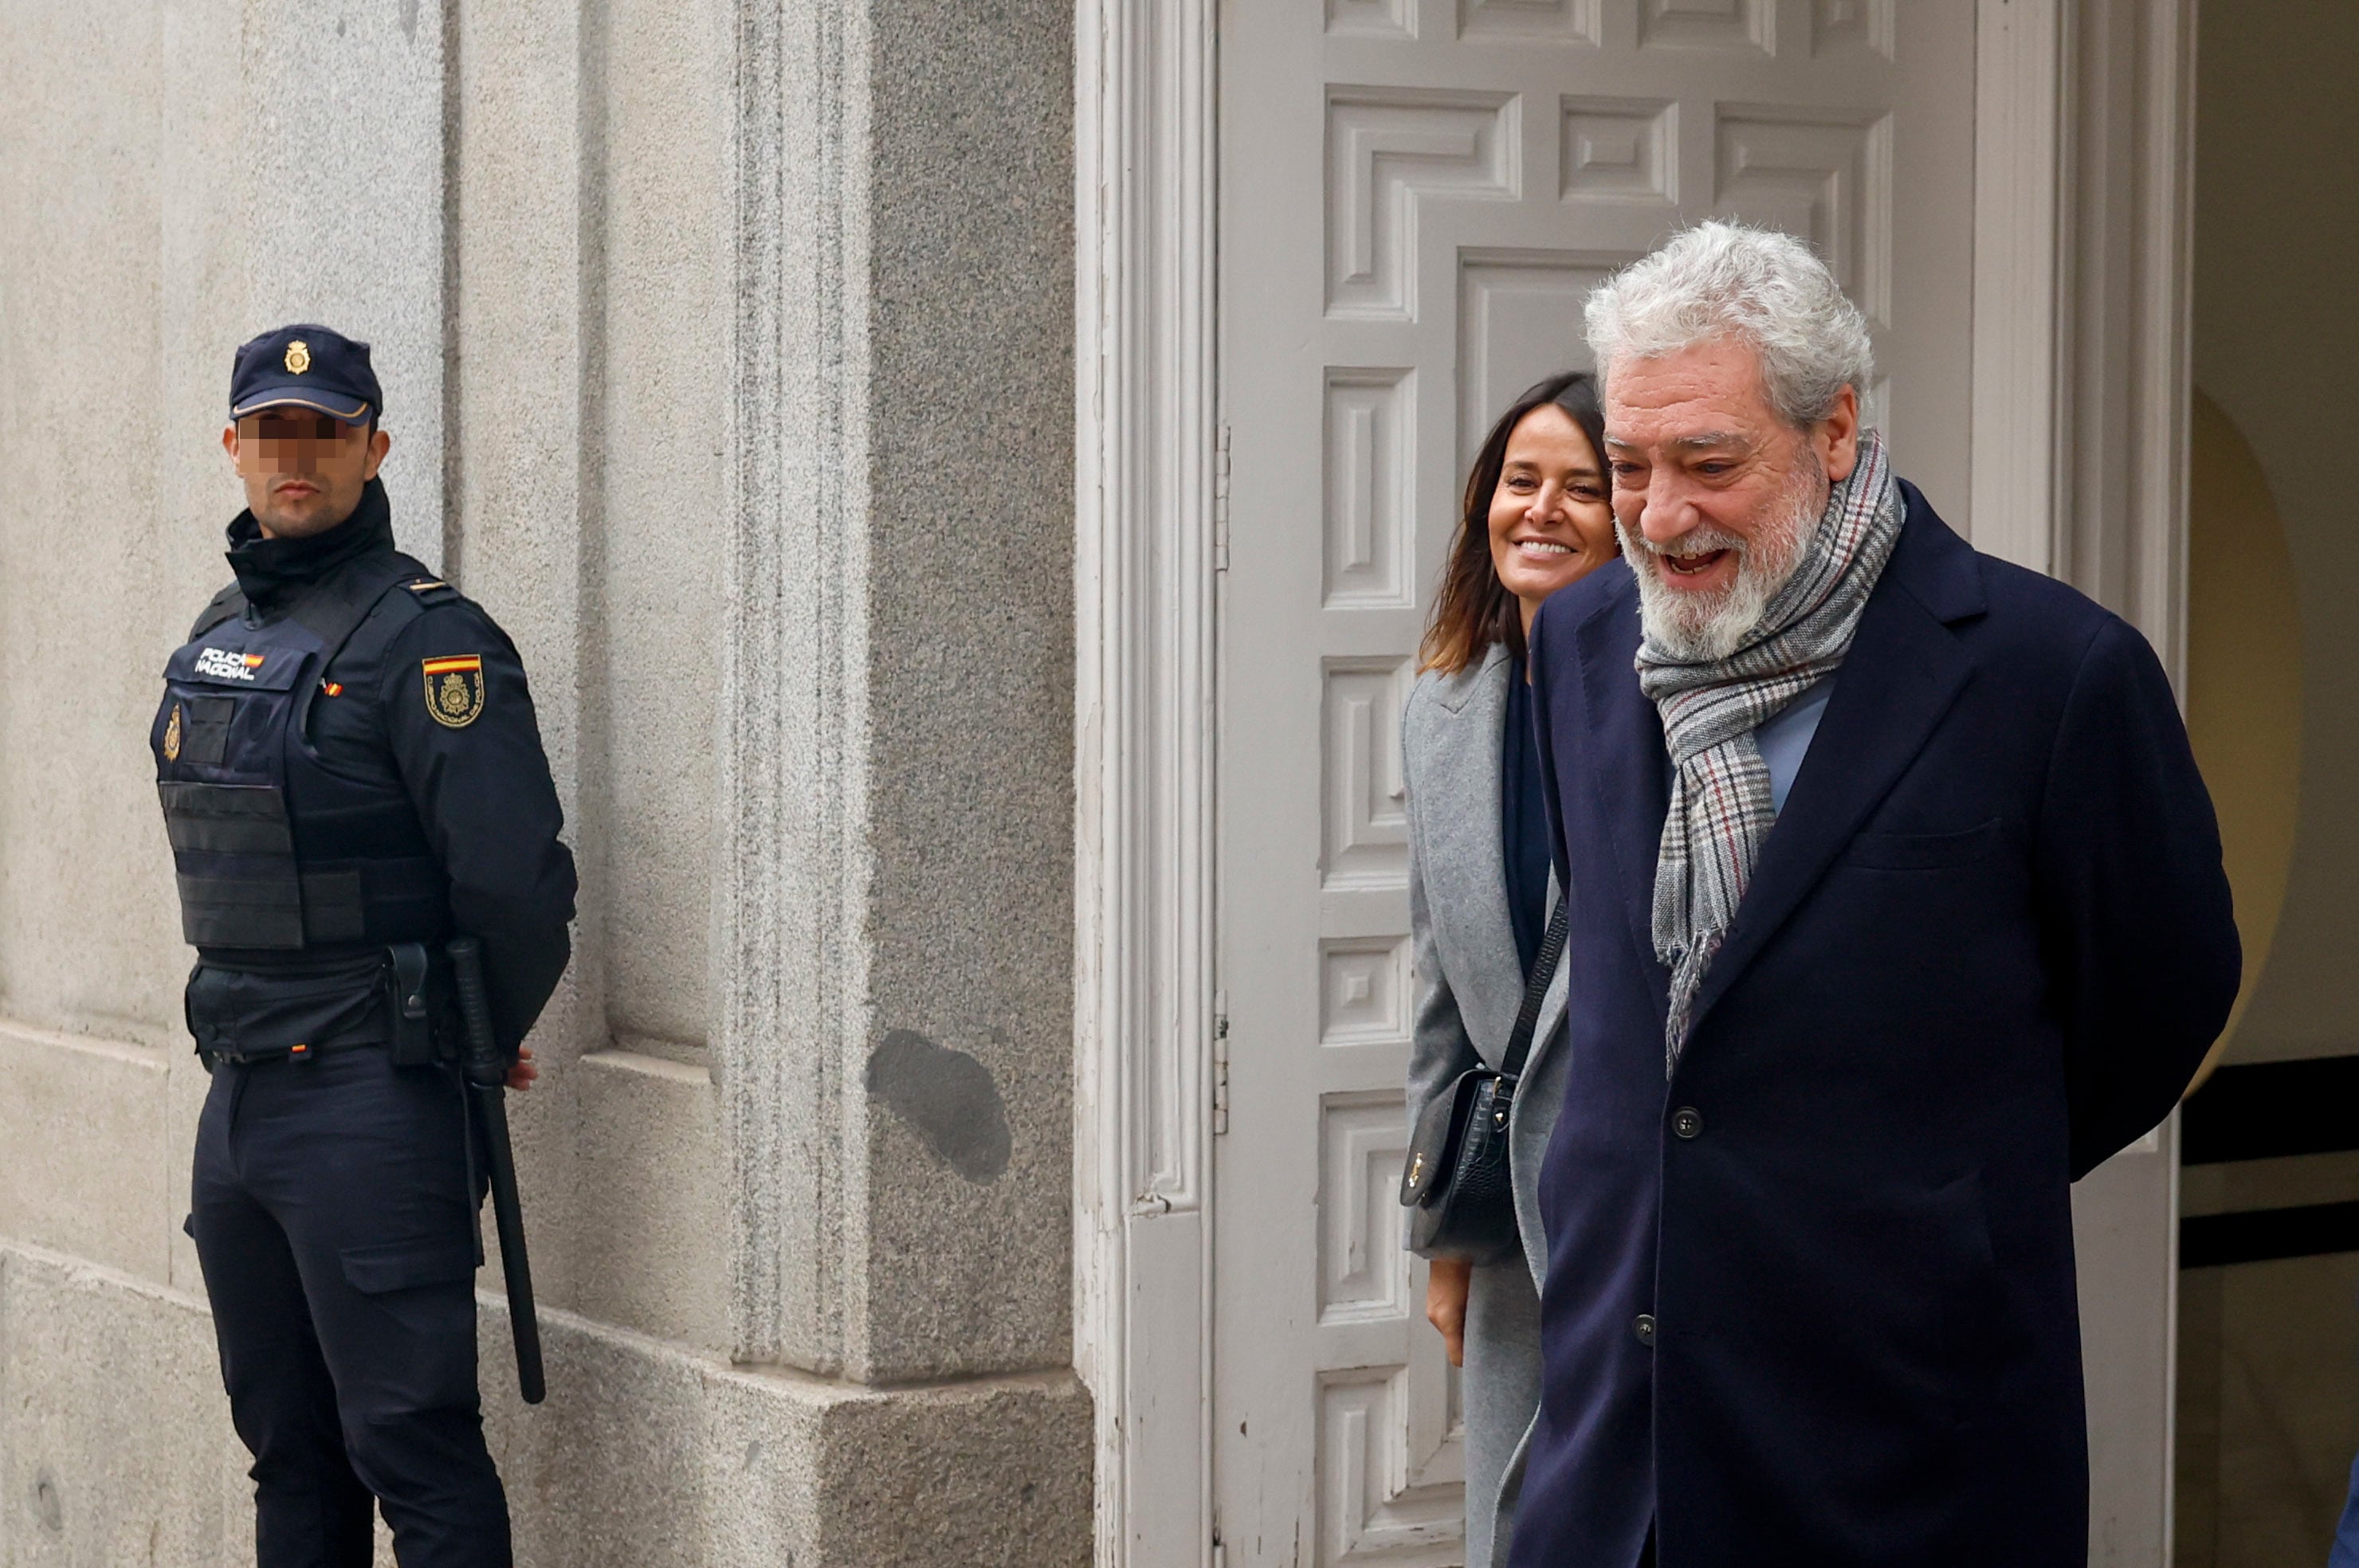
point(1535, 519)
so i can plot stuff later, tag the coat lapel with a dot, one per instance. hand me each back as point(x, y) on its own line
point(1626, 766)
point(1904, 671)
point(1465, 866)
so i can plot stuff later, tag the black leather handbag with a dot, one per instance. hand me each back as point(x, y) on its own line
point(1456, 1186)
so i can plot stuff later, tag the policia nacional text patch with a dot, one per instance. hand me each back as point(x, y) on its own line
point(454, 689)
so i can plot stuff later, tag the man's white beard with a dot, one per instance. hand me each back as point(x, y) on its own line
point(1687, 627)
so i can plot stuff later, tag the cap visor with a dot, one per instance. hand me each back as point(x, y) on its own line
point(351, 412)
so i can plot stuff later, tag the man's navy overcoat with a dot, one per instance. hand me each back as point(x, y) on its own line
point(1811, 1301)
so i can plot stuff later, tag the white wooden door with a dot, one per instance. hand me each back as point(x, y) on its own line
point(1415, 197)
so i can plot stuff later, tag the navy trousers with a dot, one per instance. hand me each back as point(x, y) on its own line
point(331, 1214)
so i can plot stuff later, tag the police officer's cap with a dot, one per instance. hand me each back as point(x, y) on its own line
point(304, 366)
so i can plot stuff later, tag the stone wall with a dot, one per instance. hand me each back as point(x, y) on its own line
point(727, 357)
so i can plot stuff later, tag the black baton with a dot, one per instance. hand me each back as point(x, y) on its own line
point(487, 1074)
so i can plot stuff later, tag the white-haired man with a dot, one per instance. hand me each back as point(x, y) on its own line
point(1896, 906)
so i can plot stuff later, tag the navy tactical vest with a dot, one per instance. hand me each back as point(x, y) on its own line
point(274, 850)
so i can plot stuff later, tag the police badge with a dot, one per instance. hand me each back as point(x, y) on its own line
point(172, 736)
point(299, 357)
point(454, 689)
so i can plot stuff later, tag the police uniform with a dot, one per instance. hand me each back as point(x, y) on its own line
point(351, 774)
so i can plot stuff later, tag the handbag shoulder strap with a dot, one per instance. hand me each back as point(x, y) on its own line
point(1520, 1043)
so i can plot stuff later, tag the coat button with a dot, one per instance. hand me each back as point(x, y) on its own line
point(1687, 1121)
point(1645, 1328)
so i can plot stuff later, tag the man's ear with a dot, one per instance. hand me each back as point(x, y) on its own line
point(380, 444)
point(1837, 436)
point(229, 443)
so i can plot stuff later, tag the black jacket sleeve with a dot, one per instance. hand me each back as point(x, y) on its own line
point(2134, 901)
point(461, 723)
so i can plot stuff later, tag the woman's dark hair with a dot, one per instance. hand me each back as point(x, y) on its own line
point(1473, 609)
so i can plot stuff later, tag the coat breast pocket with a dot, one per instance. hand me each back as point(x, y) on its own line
point(1923, 851)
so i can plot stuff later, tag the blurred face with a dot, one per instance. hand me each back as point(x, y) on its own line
point(1550, 523)
point(1714, 494)
point(302, 471)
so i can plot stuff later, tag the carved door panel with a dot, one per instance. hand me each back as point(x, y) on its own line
point(1416, 195)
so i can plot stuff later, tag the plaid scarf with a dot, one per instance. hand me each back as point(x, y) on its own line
point(1721, 809)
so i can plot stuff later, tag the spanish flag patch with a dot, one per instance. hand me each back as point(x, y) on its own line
point(454, 689)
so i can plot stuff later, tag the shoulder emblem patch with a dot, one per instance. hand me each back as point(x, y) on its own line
point(172, 736)
point(454, 689)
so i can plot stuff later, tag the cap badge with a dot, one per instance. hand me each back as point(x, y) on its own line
point(299, 357)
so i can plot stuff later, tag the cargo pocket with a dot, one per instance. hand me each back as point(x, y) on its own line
point(421, 1288)
point(384, 1268)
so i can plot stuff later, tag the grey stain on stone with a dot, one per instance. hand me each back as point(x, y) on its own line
point(48, 1507)
point(947, 1097)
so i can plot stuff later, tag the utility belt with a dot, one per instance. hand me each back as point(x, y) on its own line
point(398, 999)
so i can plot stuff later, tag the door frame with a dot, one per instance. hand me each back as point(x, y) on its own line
point(2083, 172)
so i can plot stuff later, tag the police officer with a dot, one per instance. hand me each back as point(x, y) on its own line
point(350, 775)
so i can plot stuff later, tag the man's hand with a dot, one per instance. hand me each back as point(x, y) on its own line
point(1447, 1281)
point(521, 1072)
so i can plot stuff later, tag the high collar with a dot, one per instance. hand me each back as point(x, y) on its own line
point(269, 570)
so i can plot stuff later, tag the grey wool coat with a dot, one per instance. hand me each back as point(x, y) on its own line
point(1470, 986)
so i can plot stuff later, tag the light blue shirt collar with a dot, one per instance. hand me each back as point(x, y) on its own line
point(1786, 739)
